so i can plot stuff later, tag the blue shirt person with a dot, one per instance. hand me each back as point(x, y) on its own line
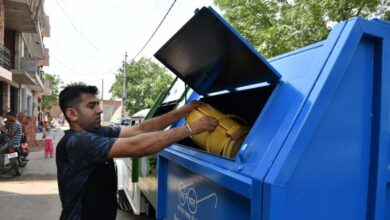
point(14, 129)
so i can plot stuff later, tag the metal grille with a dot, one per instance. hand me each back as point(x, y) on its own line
point(5, 57)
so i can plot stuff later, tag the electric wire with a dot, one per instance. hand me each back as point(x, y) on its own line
point(111, 69)
point(108, 71)
point(155, 31)
point(66, 51)
point(79, 24)
point(78, 31)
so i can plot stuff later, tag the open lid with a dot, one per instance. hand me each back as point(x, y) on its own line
point(175, 91)
point(210, 56)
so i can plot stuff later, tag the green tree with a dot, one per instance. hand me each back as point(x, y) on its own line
point(51, 100)
point(145, 79)
point(276, 27)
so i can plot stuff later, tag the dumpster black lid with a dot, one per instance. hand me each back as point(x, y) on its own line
point(210, 56)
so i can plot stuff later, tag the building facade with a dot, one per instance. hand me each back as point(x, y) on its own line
point(23, 26)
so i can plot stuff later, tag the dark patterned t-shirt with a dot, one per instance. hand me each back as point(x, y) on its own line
point(85, 173)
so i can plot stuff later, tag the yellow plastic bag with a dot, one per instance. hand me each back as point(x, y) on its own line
point(228, 136)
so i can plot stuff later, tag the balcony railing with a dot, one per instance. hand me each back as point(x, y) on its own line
point(40, 74)
point(5, 57)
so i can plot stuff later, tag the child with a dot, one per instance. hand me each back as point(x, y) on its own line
point(48, 136)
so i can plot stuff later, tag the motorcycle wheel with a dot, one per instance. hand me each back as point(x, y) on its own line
point(22, 162)
point(16, 169)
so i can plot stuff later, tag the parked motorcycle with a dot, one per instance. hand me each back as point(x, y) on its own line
point(9, 157)
point(23, 151)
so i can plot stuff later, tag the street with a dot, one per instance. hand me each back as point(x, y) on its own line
point(34, 194)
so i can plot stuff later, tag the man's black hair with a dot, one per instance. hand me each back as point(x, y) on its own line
point(70, 96)
point(13, 114)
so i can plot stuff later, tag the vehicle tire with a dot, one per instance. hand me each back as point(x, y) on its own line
point(22, 162)
point(123, 203)
point(16, 169)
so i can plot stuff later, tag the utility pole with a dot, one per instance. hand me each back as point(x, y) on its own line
point(124, 86)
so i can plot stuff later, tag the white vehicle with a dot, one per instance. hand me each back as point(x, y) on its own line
point(120, 122)
point(128, 193)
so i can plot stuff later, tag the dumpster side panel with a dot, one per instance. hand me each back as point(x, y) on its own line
point(201, 198)
point(383, 190)
point(191, 196)
point(380, 186)
point(325, 173)
point(379, 200)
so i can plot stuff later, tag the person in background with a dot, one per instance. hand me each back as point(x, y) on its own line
point(45, 125)
point(61, 120)
point(2, 124)
point(2, 137)
point(84, 156)
point(40, 125)
point(48, 136)
point(52, 123)
point(14, 132)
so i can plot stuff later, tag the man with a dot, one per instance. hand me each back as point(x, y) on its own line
point(85, 169)
point(40, 125)
point(14, 129)
point(2, 124)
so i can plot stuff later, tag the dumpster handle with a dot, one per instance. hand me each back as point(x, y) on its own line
point(241, 157)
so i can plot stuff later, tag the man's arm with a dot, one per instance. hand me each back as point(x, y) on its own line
point(161, 122)
point(152, 142)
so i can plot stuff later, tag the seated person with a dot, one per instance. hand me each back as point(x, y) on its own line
point(14, 130)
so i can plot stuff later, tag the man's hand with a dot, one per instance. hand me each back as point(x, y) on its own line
point(186, 109)
point(160, 122)
point(205, 123)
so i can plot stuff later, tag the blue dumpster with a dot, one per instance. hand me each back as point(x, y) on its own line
point(319, 117)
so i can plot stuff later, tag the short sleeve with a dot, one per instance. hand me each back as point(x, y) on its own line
point(109, 131)
point(86, 148)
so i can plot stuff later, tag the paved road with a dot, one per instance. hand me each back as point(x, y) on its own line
point(34, 194)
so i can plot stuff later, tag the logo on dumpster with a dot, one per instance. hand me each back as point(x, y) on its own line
point(189, 198)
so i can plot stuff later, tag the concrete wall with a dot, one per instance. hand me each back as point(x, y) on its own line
point(5, 101)
point(2, 22)
point(29, 128)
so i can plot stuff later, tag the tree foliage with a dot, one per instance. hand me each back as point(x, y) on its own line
point(144, 81)
point(51, 100)
point(278, 26)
